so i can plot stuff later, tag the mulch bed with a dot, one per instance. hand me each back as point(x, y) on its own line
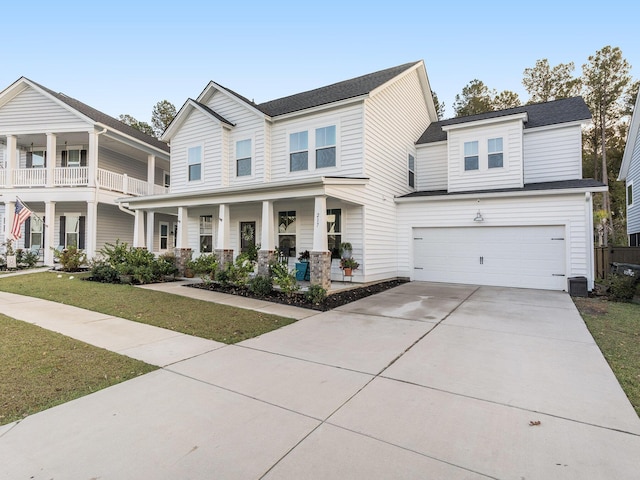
point(332, 301)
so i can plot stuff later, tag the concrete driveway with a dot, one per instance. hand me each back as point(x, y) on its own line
point(423, 381)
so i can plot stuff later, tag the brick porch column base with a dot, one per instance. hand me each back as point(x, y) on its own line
point(265, 257)
point(183, 255)
point(321, 269)
point(225, 255)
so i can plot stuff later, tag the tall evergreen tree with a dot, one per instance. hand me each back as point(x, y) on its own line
point(162, 115)
point(476, 98)
point(144, 127)
point(544, 83)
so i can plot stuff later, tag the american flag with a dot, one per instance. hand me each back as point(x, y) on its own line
point(20, 216)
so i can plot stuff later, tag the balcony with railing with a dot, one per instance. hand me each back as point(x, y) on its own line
point(79, 177)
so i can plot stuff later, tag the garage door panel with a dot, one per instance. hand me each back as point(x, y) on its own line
point(523, 256)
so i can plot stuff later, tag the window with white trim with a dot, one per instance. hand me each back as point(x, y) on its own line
point(243, 158)
point(334, 231)
point(471, 155)
point(287, 233)
point(206, 233)
point(630, 194)
point(72, 230)
point(495, 153)
point(326, 147)
point(37, 229)
point(411, 166)
point(164, 235)
point(299, 151)
point(194, 162)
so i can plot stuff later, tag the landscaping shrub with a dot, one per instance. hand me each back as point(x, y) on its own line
point(205, 266)
point(71, 259)
point(132, 265)
point(238, 272)
point(101, 271)
point(284, 278)
point(316, 294)
point(261, 285)
point(622, 287)
point(26, 258)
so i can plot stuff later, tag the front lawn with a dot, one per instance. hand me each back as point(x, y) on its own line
point(209, 320)
point(40, 369)
point(615, 327)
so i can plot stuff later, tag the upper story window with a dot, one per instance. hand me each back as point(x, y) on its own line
point(412, 171)
point(194, 162)
point(630, 194)
point(494, 149)
point(471, 155)
point(299, 151)
point(243, 158)
point(326, 147)
point(74, 157)
point(36, 159)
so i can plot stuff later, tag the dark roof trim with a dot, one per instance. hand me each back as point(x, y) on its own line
point(213, 113)
point(556, 112)
point(99, 117)
point(530, 187)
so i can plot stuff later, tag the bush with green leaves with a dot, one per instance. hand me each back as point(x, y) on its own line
point(137, 264)
point(261, 285)
point(284, 278)
point(71, 258)
point(102, 271)
point(26, 258)
point(205, 266)
point(622, 287)
point(166, 265)
point(315, 294)
point(237, 273)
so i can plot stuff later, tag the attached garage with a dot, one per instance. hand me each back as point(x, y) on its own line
point(511, 256)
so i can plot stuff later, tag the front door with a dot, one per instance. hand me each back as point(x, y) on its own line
point(247, 235)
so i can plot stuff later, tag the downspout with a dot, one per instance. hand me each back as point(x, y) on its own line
point(124, 209)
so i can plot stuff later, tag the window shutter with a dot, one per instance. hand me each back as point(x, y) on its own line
point(63, 159)
point(63, 224)
point(83, 158)
point(29, 159)
point(45, 159)
point(81, 228)
point(27, 233)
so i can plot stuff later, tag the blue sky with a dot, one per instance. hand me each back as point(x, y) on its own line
point(123, 57)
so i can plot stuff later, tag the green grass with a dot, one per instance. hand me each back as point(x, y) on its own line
point(40, 369)
point(616, 329)
point(209, 320)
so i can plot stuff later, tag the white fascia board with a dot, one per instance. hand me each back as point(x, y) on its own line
point(214, 86)
point(319, 108)
point(487, 121)
point(555, 126)
point(242, 194)
point(632, 135)
point(528, 193)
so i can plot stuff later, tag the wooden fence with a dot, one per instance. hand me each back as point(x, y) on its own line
point(605, 256)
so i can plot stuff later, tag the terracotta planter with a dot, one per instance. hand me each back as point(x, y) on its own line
point(347, 272)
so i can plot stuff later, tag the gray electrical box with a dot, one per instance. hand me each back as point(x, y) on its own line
point(578, 286)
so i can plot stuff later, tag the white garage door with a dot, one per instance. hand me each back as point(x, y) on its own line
point(526, 256)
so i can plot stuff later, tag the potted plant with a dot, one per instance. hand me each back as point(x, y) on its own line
point(346, 250)
point(302, 266)
point(348, 264)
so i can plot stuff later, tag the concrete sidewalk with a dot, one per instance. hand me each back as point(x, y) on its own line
point(422, 381)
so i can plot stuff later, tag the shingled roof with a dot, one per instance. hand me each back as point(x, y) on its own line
point(103, 118)
point(539, 114)
point(346, 89)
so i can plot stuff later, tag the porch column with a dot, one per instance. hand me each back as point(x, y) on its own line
point(138, 229)
point(182, 241)
point(150, 229)
point(49, 231)
point(51, 158)
point(151, 173)
point(223, 250)
point(91, 228)
point(12, 161)
point(10, 208)
point(92, 158)
point(267, 252)
point(320, 255)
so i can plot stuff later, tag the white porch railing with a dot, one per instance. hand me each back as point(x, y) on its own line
point(71, 176)
point(137, 187)
point(29, 177)
point(160, 190)
point(111, 180)
point(3, 176)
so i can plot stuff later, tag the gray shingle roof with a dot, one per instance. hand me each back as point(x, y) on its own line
point(530, 187)
point(99, 117)
point(539, 114)
point(354, 87)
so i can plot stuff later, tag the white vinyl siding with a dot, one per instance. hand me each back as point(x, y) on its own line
point(569, 210)
point(118, 163)
point(33, 111)
point(394, 118)
point(198, 130)
point(509, 176)
point(112, 225)
point(552, 154)
point(431, 160)
point(633, 177)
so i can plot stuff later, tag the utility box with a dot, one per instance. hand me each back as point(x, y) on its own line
point(578, 286)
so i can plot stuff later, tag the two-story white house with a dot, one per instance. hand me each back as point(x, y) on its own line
point(630, 174)
point(365, 161)
point(68, 163)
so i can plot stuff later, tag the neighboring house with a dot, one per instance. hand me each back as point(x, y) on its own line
point(68, 163)
point(490, 199)
point(630, 174)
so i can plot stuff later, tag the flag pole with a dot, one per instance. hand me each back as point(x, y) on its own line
point(31, 210)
